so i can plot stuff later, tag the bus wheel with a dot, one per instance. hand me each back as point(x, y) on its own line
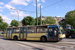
point(15, 38)
point(43, 39)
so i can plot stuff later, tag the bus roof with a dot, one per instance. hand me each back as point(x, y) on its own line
point(53, 26)
point(35, 26)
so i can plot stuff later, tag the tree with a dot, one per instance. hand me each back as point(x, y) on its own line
point(28, 21)
point(2, 24)
point(70, 18)
point(1, 20)
point(39, 21)
point(63, 23)
point(49, 20)
point(14, 23)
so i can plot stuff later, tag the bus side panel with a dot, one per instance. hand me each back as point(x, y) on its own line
point(37, 39)
point(31, 36)
point(39, 35)
point(35, 36)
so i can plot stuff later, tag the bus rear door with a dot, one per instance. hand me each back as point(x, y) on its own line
point(9, 33)
point(23, 33)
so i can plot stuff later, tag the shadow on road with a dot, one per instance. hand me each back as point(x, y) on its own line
point(70, 38)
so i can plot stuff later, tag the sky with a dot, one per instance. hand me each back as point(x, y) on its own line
point(28, 7)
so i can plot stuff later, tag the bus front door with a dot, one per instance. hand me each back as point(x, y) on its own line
point(55, 34)
point(52, 34)
point(23, 33)
point(9, 33)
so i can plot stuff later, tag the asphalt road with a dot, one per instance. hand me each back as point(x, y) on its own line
point(64, 44)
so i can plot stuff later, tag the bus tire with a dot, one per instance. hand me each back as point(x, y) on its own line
point(15, 37)
point(43, 39)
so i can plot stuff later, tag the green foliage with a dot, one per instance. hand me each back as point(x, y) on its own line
point(39, 21)
point(28, 21)
point(14, 23)
point(1, 20)
point(49, 20)
point(3, 25)
point(70, 18)
point(62, 23)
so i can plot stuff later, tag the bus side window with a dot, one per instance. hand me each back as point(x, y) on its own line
point(14, 30)
point(7, 31)
point(24, 30)
point(55, 31)
point(37, 30)
point(31, 30)
point(41, 30)
point(50, 31)
point(17, 30)
point(21, 30)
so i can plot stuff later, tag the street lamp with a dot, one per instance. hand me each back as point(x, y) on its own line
point(36, 14)
point(17, 12)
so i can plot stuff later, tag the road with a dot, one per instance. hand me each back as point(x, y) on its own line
point(65, 44)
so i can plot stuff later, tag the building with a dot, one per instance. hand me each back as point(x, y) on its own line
point(43, 17)
point(57, 18)
point(20, 24)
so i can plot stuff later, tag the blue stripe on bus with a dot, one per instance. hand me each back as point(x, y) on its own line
point(6, 34)
point(11, 33)
point(20, 33)
point(26, 32)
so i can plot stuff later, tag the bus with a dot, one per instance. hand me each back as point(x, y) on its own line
point(38, 33)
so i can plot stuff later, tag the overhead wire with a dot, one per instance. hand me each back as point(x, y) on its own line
point(41, 9)
point(28, 5)
point(52, 4)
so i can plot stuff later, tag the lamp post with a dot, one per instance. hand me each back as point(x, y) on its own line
point(40, 15)
point(36, 13)
point(17, 12)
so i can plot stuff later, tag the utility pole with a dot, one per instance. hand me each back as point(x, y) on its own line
point(18, 16)
point(40, 15)
point(36, 14)
point(17, 12)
